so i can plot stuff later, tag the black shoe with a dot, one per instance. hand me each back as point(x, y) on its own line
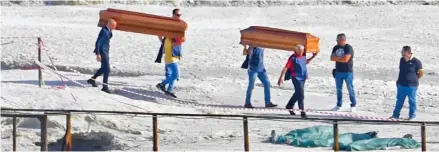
point(291, 112)
point(170, 94)
point(303, 115)
point(105, 89)
point(248, 106)
point(92, 82)
point(161, 87)
point(270, 105)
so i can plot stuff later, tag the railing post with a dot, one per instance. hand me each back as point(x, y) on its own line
point(40, 72)
point(424, 137)
point(335, 127)
point(155, 133)
point(14, 134)
point(246, 139)
point(68, 132)
point(43, 121)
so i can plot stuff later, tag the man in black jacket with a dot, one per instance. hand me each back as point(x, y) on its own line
point(102, 54)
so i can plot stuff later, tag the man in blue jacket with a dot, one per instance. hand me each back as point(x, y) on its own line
point(255, 65)
point(102, 54)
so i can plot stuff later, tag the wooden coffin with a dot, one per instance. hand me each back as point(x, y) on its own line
point(143, 23)
point(279, 39)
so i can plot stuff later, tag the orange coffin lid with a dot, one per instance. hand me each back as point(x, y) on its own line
point(143, 23)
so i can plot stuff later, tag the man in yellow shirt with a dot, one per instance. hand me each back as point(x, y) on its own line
point(172, 49)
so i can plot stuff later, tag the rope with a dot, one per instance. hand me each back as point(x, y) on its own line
point(19, 37)
point(203, 106)
point(43, 46)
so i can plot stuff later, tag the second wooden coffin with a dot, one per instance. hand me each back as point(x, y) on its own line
point(279, 39)
point(143, 23)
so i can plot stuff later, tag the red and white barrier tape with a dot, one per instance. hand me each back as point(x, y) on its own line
point(192, 105)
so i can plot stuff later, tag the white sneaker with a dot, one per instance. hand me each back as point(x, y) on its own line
point(353, 109)
point(336, 108)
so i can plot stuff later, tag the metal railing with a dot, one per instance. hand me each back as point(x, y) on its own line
point(14, 113)
point(43, 122)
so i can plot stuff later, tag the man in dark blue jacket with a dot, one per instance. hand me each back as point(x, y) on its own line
point(102, 54)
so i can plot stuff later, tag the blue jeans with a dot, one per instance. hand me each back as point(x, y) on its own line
point(172, 73)
point(251, 84)
point(402, 92)
point(349, 78)
point(299, 94)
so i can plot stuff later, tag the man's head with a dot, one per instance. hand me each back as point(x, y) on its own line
point(341, 39)
point(300, 50)
point(406, 52)
point(176, 13)
point(111, 24)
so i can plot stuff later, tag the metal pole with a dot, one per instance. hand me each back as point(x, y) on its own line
point(40, 72)
point(336, 146)
point(43, 121)
point(424, 137)
point(14, 133)
point(155, 133)
point(69, 132)
point(246, 139)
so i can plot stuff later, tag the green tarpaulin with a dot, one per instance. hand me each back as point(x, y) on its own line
point(382, 144)
point(322, 136)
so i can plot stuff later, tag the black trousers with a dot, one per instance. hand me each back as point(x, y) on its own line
point(299, 94)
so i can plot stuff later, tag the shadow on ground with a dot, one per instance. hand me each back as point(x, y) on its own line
point(141, 94)
point(93, 141)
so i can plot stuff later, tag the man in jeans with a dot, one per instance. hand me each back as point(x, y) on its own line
point(342, 55)
point(410, 71)
point(171, 47)
point(256, 69)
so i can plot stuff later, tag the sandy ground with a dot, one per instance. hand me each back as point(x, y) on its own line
point(211, 73)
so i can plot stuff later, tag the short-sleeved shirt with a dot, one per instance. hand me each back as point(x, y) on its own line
point(297, 67)
point(256, 59)
point(409, 71)
point(341, 51)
